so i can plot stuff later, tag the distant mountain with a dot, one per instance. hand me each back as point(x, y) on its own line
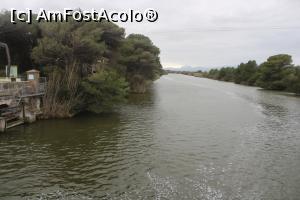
point(188, 69)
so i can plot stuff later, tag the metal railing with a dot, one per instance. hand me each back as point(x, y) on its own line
point(22, 88)
point(42, 85)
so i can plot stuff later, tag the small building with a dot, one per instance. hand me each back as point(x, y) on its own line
point(33, 75)
point(13, 75)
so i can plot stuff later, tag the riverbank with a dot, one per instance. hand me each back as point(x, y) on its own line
point(200, 75)
point(277, 73)
point(89, 66)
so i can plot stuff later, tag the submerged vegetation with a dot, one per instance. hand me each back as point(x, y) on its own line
point(277, 73)
point(90, 66)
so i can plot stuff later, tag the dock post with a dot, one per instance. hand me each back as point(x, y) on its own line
point(23, 111)
point(2, 124)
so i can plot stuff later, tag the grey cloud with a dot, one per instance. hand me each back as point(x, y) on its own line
point(204, 32)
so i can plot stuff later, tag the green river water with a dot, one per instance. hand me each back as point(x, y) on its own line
point(187, 138)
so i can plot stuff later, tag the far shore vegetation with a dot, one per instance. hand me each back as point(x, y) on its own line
point(277, 73)
point(90, 66)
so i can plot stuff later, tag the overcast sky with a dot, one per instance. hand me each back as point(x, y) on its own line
point(208, 33)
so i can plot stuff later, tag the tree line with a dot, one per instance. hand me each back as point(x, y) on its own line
point(277, 73)
point(90, 66)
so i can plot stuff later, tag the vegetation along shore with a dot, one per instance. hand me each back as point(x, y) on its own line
point(90, 66)
point(277, 73)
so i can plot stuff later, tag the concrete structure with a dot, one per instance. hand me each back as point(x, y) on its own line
point(20, 99)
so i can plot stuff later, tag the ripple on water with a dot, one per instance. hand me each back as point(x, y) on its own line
point(189, 139)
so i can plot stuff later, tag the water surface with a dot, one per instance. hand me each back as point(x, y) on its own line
point(187, 138)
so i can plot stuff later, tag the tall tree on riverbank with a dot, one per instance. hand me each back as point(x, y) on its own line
point(226, 74)
point(245, 73)
point(291, 79)
point(141, 59)
point(71, 53)
point(272, 72)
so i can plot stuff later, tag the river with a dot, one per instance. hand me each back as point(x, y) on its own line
point(187, 138)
